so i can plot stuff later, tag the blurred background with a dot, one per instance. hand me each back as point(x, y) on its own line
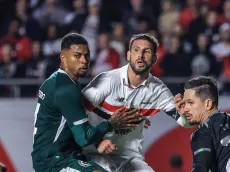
point(194, 37)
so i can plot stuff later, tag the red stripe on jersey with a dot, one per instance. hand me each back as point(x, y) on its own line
point(144, 112)
point(149, 112)
point(87, 104)
point(109, 107)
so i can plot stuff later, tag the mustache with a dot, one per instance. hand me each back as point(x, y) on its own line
point(140, 60)
point(188, 114)
point(85, 66)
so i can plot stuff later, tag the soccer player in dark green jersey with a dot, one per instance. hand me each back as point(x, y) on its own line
point(61, 126)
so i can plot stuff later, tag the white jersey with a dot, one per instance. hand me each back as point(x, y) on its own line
point(110, 90)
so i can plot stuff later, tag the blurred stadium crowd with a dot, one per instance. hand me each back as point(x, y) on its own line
point(194, 35)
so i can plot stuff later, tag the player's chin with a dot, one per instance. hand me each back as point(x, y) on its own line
point(140, 70)
point(193, 122)
point(141, 67)
point(82, 74)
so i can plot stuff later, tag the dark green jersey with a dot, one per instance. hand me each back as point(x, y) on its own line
point(61, 124)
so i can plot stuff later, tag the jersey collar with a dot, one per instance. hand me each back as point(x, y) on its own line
point(60, 70)
point(125, 80)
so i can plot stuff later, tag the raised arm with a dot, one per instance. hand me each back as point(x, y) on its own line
point(169, 105)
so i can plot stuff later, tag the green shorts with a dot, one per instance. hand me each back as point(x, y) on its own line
point(75, 165)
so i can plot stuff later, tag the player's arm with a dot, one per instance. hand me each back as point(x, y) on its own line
point(180, 119)
point(69, 101)
point(203, 151)
point(97, 91)
point(165, 102)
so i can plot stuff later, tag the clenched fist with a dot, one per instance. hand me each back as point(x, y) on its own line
point(106, 146)
point(178, 100)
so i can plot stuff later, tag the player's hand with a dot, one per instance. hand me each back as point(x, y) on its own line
point(123, 119)
point(106, 146)
point(147, 124)
point(178, 100)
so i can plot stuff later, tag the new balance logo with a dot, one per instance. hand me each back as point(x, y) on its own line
point(120, 99)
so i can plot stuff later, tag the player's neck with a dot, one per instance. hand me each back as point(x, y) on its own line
point(73, 77)
point(207, 114)
point(135, 79)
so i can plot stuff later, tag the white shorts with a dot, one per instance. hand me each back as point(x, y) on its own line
point(113, 163)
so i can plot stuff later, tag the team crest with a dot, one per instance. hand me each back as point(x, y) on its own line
point(84, 164)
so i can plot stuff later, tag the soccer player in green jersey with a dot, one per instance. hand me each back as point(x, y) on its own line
point(61, 124)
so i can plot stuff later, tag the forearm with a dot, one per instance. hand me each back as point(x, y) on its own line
point(86, 134)
point(180, 119)
point(202, 160)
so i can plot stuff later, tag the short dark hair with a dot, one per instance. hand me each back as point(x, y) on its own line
point(72, 38)
point(147, 37)
point(205, 87)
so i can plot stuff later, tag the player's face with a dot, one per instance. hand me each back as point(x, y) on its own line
point(194, 107)
point(141, 57)
point(77, 60)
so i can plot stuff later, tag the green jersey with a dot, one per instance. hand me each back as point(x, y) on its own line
point(61, 126)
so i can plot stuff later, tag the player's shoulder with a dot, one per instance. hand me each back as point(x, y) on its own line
point(62, 78)
point(49, 83)
point(109, 76)
point(154, 80)
point(116, 72)
point(219, 119)
point(202, 130)
point(156, 84)
point(59, 80)
point(47, 89)
point(219, 116)
point(213, 122)
point(64, 84)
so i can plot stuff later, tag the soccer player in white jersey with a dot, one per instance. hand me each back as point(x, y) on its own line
point(132, 86)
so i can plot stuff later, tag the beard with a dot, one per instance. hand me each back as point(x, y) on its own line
point(81, 74)
point(139, 71)
point(194, 123)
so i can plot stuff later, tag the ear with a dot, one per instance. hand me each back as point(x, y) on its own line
point(128, 55)
point(62, 57)
point(208, 104)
